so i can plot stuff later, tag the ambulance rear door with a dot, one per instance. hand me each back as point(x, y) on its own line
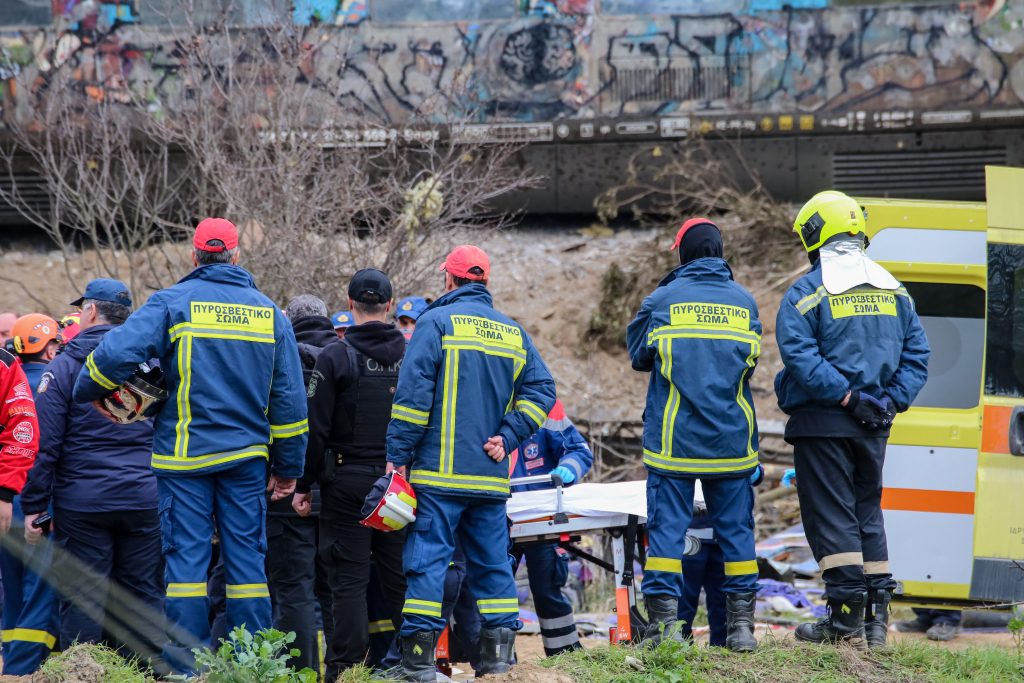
point(999, 509)
point(938, 251)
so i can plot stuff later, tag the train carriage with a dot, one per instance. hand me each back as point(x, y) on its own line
point(876, 97)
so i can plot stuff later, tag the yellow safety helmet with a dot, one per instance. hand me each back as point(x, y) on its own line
point(826, 215)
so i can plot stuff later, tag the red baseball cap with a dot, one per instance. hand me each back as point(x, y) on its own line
point(691, 223)
point(463, 259)
point(214, 229)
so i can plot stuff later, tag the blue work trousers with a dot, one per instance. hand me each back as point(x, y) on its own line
point(483, 536)
point(704, 570)
point(188, 506)
point(110, 567)
point(30, 604)
point(669, 511)
point(548, 571)
point(459, 611)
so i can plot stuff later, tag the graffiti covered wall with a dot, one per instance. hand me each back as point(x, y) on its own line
point(537, 60)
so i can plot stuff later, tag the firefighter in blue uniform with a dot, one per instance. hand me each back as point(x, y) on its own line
point(30, 605)
point(855, 354)
point(557, 449)
point(699, 336)
point(471, 389)
point(236, 402)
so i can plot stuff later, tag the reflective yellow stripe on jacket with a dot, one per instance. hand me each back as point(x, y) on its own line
point(175, 463)
point(662, 337)
point(416, 417)
point(447, 480)
point(184, 407)
point(699, 465)
point(209, 320)
point(449, 403)
point(96, 376)
point(502, 341)
point(532, 411)
point(289, 430)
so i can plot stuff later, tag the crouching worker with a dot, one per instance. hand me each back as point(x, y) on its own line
point(855, 354)
point(556, 449)
point(699, 336)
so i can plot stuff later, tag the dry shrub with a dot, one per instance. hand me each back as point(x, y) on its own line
point(696, 181)
point(260, 131)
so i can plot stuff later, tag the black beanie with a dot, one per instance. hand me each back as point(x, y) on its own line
point(700, 241)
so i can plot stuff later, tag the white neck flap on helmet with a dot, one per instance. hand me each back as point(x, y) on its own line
point(844, 265)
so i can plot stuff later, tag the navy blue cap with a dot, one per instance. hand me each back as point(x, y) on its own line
point(411, 307)
point(342, 319)
point(106, 289)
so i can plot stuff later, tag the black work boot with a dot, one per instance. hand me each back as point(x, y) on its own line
point(876, 617)
point(417, 657)
point(497, 649)
point(662, 619)
point(844, 623)
point(739, 615)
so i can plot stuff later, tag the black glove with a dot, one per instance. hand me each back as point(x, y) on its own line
point(890, 411)
point(870, 411)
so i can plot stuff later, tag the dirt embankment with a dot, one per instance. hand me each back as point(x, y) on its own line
point(553, 282)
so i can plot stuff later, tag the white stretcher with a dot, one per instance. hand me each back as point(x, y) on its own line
point(561, 515)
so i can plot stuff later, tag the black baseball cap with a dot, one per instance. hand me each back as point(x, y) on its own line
point(370, 286)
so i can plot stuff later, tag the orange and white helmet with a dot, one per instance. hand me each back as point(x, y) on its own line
point(31, 333)
point(390, 505)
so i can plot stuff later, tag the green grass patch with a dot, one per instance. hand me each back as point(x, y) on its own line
point(91, 663)
point(784, 661)
point(358, 674)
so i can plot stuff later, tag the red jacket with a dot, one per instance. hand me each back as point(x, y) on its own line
point(19, 428)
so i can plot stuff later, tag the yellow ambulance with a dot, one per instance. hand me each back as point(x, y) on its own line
point(954, 470)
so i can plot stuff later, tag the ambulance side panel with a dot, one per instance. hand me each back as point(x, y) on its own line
point(938, 251)
point(998, 573)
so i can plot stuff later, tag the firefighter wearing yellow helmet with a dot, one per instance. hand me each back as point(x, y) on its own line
point(855, 355)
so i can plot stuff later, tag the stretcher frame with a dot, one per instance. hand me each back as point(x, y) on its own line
point(627, 533)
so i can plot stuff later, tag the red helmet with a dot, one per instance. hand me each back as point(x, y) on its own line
point(70, 326)
point(390, 505)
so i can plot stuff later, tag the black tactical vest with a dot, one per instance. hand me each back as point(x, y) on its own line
point(364, 409)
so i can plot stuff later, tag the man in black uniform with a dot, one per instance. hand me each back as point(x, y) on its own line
point(297, 579)
point(350, 396)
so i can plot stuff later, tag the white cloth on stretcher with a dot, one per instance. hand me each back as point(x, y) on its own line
point(588, 500)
